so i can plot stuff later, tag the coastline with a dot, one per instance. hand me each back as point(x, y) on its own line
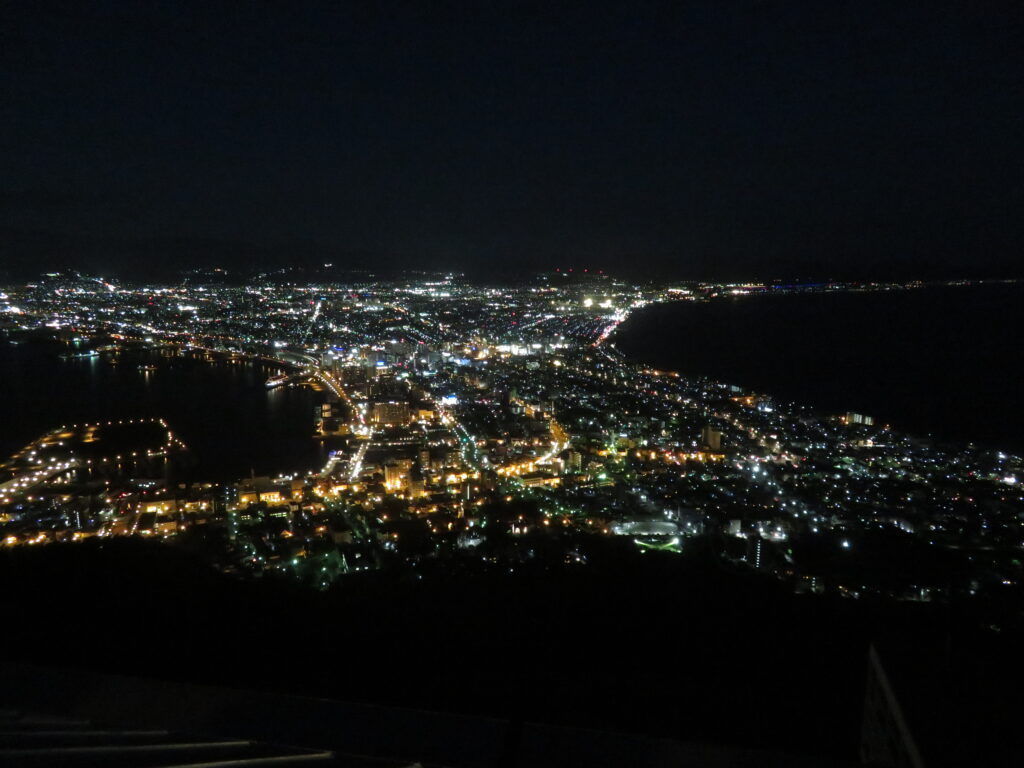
point(857, 351)
point(231, 421)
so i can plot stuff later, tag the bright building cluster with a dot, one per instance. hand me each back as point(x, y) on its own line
point(482, 427)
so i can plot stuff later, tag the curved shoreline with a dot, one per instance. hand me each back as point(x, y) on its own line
point(190, 405)
point(908, 358)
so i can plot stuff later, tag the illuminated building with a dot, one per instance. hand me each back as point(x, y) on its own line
point(711, 438)
point(390, 413)
point(332, 419)
point(858, 418)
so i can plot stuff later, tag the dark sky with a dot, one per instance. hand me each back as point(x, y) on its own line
point(691, 140)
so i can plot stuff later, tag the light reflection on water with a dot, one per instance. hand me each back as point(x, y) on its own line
point(223, 411)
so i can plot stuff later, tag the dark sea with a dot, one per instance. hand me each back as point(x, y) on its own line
point(944, 362)
point(229, 420)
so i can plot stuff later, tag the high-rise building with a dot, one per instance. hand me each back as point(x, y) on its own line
point(711, 438)
point(574, 461)
point(858, 418)
point(396, 475)
point(332, 419)
point(390, 413)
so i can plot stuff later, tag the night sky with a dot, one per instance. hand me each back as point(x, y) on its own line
point(684, 140)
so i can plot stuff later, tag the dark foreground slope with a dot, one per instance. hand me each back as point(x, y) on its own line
point(664, 645)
